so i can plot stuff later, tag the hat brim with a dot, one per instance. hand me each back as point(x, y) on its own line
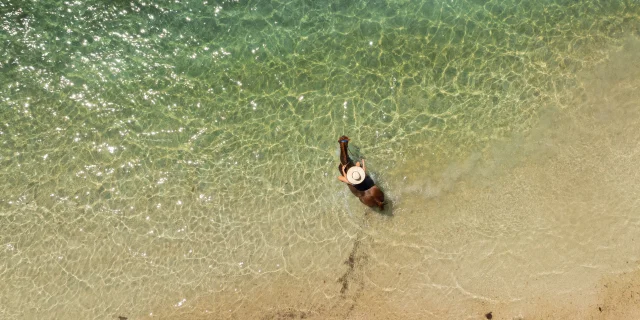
point(353, 170)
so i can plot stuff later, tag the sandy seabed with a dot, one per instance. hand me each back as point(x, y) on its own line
point(542, 226)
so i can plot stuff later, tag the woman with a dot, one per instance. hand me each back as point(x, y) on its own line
point(355, 176)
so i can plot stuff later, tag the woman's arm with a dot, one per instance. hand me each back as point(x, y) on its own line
point(363, 166)
point(343, 177)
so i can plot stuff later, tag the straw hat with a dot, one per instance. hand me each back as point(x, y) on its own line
point(355, 175)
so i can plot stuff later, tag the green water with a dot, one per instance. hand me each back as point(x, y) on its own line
point(177, 159)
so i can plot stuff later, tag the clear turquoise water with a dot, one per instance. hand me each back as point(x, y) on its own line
point(179, 157)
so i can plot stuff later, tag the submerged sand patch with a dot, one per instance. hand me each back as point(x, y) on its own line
point(543, 226)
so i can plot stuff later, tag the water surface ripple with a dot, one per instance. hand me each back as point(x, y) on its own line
point(177, 159)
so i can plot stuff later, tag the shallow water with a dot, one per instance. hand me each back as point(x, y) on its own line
point(178, 159)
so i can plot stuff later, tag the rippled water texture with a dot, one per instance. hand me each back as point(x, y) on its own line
point(177, 159)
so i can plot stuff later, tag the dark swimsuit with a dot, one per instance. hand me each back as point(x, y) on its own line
point(365, 185)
